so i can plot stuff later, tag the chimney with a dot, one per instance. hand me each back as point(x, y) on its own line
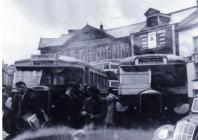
point(101, 27)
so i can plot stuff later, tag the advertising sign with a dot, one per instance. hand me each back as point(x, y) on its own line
point(152, 40)
point(157, 40)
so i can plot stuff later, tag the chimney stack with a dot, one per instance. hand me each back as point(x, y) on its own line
point(101, 27)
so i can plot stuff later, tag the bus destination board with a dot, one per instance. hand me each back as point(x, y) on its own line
point(43, 63)
point(149, 61)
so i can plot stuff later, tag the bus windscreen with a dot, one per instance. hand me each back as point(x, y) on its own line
point(49, 76)
point(30, 77)
point(161, 75)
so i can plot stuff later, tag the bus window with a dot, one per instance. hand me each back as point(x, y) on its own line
point(95, 79)
point(56, 79)
point(134, 69)
point(134, 79)
point(61, 79)
point(29, 76)
point(113, 83)
point(114, 66)
point(91, 78)
point(74, 75)
point(100, 66)
point(106, 65)
point(168, 76)
point(100, 81)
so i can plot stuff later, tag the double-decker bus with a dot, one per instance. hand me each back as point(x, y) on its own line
point(110, 66)
point(153, 84)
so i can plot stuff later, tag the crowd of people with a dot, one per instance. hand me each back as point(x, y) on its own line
point(76, 108)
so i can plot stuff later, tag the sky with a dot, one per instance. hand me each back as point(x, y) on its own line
point(25, 21)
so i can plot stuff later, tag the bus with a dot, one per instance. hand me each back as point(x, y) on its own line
point(53, 70)
point(110, 66)
point(57, 73)
point(153, 84)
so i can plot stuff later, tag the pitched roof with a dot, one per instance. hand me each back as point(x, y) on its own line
point(67, 38)
point(151, 11)
point(178, 16)
point(189, 21)
point(54, 42)
point(126, 30)
point(85, 29)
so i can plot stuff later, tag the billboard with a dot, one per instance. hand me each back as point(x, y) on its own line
point(154, 40)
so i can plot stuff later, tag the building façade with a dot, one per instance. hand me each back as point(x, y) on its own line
point(158, 34)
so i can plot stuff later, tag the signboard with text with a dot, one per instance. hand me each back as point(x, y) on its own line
point(157, 40)
point(151, 61)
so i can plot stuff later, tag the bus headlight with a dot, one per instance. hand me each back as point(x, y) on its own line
point(164, 132)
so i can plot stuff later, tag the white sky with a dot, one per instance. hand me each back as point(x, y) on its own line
point(25, 21)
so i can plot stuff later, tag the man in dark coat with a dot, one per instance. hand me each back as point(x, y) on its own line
point(68, 107)
point(22, 105)
point(94, 107)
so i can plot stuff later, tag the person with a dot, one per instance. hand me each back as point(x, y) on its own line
point(68, 107)
point(94, 108)
point(111, 102)
point(62, 108)
point(4, 100)
point(75, 105)
point(23, 107)
point(4, 97)
point(7, 120)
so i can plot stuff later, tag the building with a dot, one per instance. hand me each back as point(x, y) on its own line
point(157, 34)
point(89, 44)
point(7, 75)
point(187, 31)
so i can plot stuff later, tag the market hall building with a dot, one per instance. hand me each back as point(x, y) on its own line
point(158, 34)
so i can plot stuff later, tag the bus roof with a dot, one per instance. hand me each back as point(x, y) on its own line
point(51, 60)
point(171, 59)
point(50, 57)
